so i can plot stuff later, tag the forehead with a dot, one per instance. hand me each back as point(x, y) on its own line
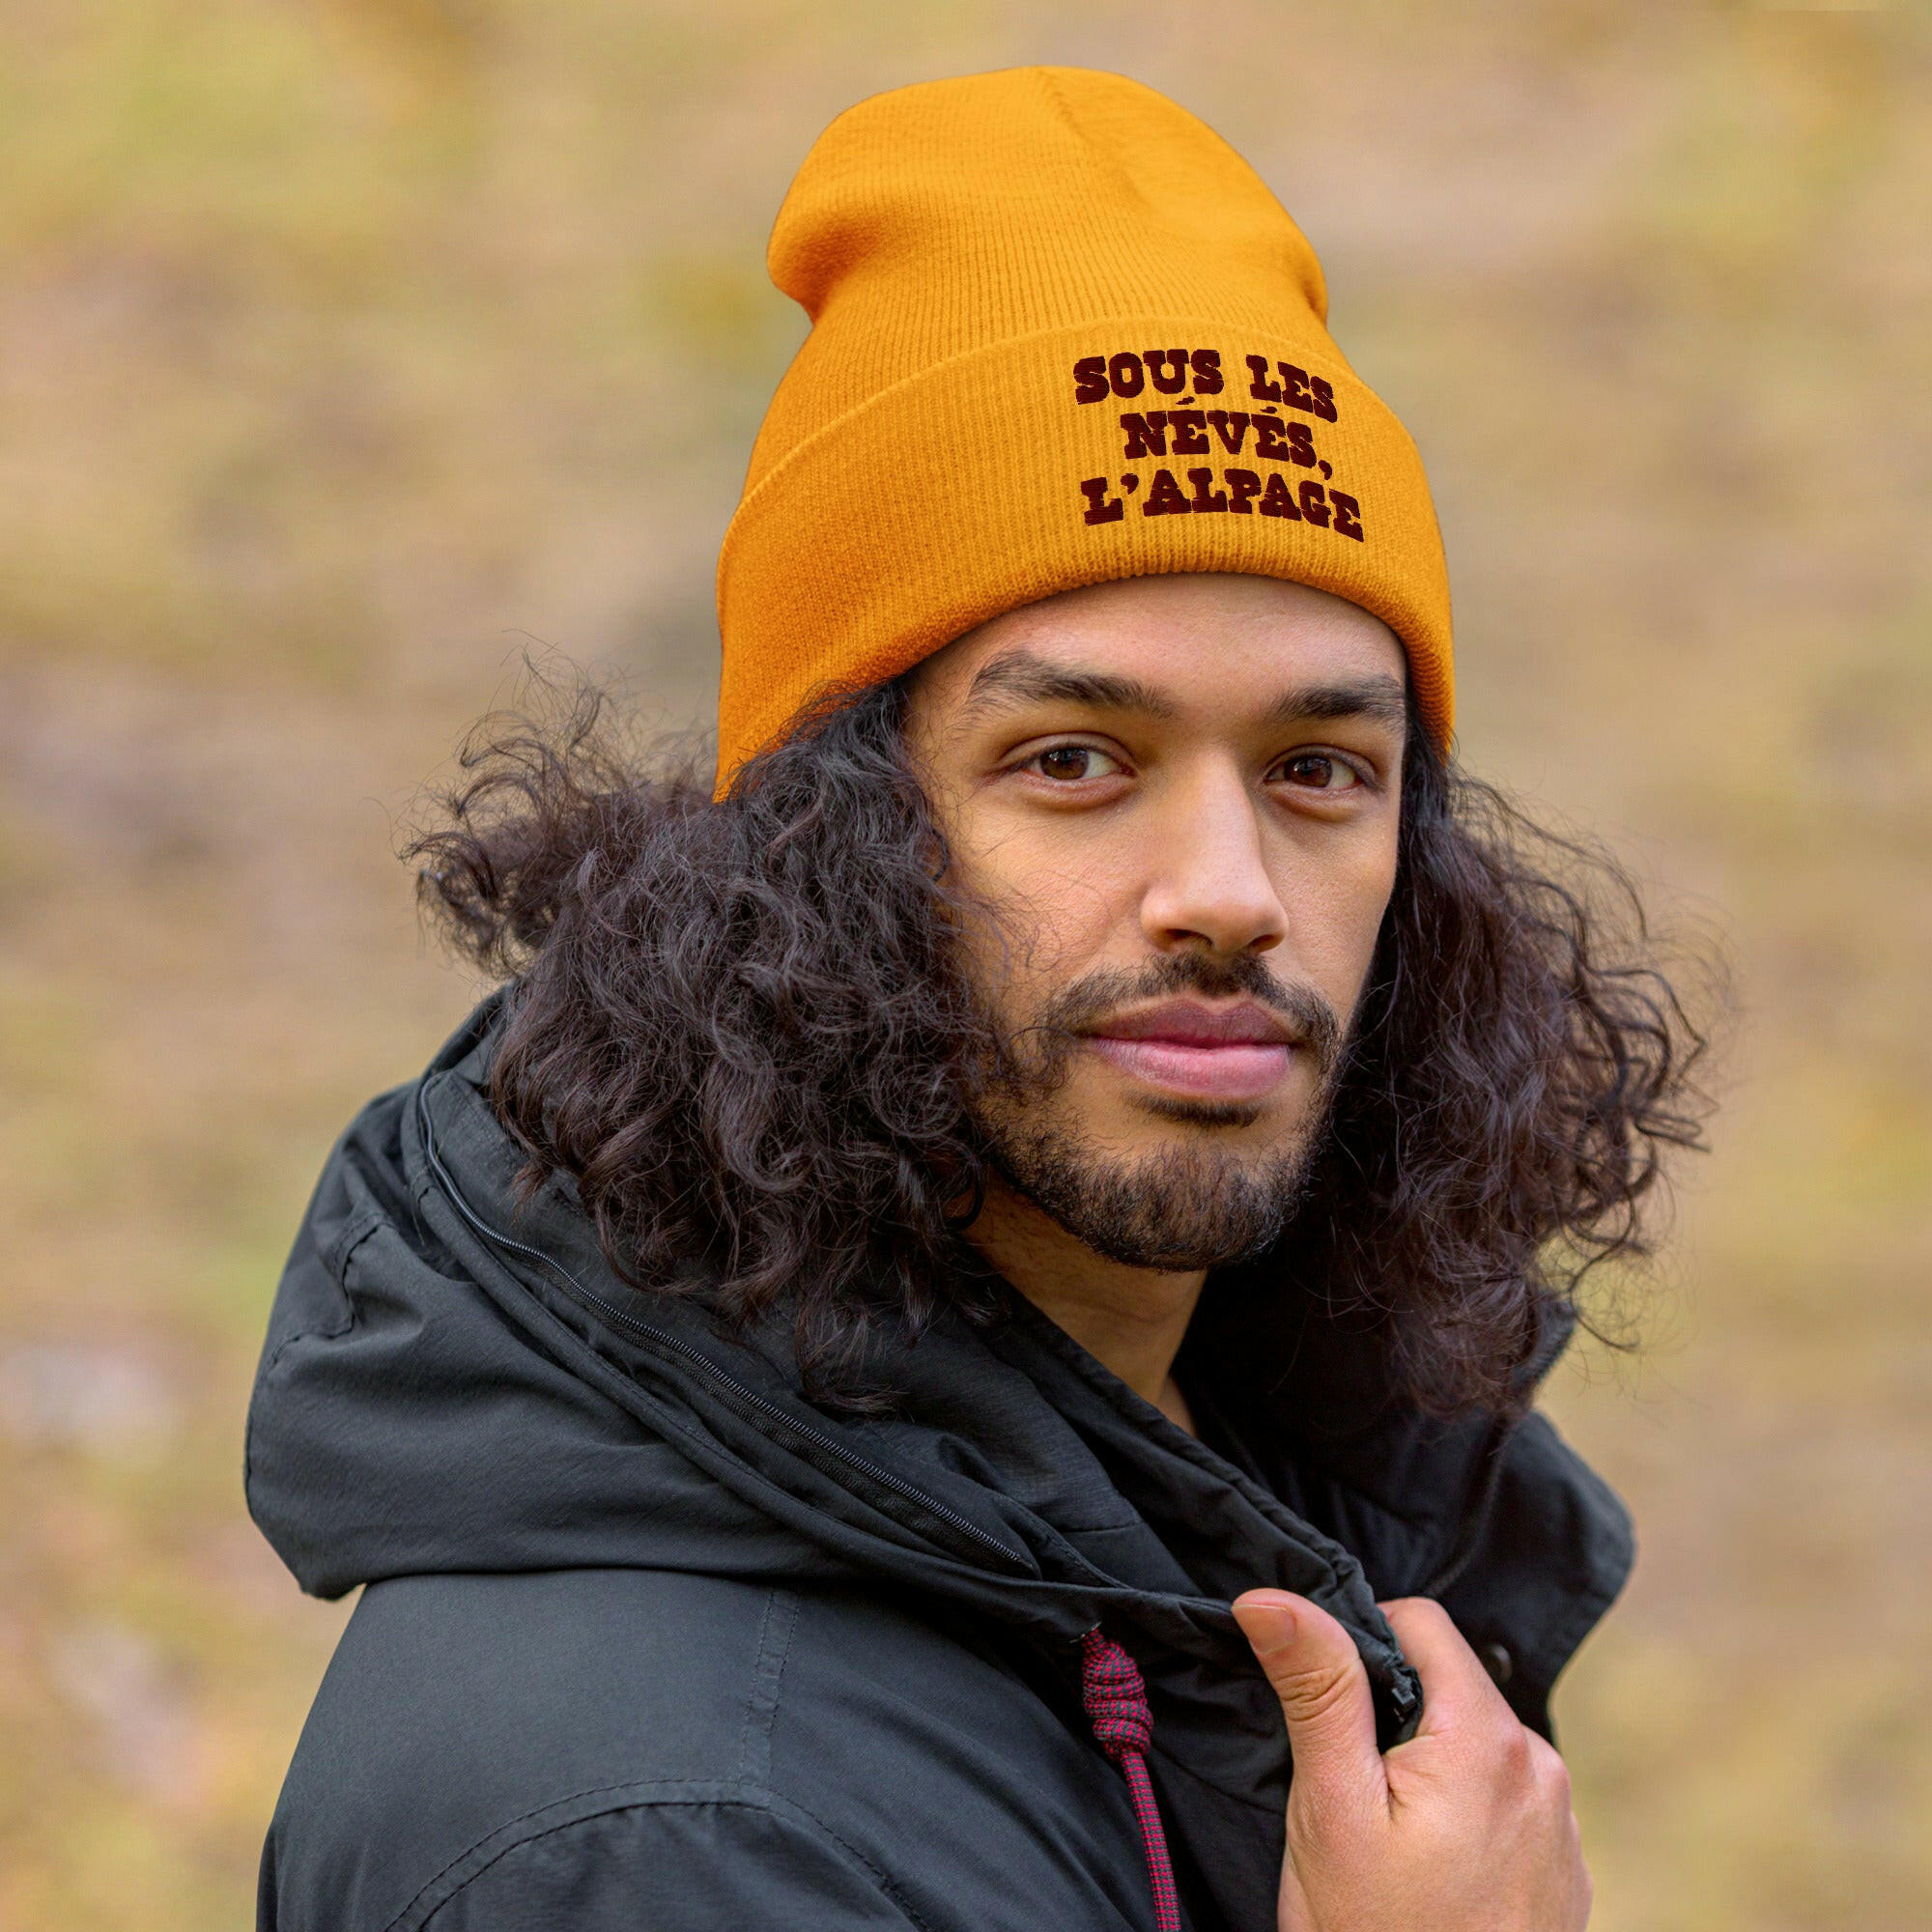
point(1199, 641)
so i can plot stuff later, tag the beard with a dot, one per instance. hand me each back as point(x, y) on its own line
point(1200, 1204)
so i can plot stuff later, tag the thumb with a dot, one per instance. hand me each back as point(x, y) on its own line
point(1312, 1662)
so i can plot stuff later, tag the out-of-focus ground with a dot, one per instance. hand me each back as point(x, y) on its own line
point(346, 348)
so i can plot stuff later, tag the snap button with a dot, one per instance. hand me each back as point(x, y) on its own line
point(1497, 1662)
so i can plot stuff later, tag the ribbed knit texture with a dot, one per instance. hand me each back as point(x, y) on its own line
point(1116, 1707)
point(1061, 334)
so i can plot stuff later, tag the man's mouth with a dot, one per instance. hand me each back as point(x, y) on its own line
point(1233, 1053)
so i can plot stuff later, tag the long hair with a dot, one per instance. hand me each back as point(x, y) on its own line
point(740, 1028)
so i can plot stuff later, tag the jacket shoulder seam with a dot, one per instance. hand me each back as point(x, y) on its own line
point(355, 1232)
point(336, 1262)
point(579, 1808)
point(761, 1704)
point(796, 1813)
point(334, 1259)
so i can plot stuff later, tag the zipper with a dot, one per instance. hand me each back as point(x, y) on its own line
point(663, 1338)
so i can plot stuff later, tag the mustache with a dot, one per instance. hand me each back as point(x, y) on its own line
point(1075, 1009)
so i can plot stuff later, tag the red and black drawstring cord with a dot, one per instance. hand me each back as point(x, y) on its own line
point(1117, 1707)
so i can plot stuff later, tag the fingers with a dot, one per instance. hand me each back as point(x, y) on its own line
point(1456, 1689)
point(1311, 1662)
point(1467, 1828)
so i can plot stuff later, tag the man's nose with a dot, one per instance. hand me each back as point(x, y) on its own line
point(1208, 880)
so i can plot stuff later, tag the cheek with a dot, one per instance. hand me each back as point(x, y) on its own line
point(1335, 918)
point(1055, 911)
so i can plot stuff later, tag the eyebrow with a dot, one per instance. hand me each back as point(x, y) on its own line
point(1017, 677)
point(1382, 697)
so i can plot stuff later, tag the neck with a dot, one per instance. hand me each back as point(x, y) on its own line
point(1130, 1320)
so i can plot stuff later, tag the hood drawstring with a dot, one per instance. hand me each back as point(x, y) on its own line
point(1117, 1707)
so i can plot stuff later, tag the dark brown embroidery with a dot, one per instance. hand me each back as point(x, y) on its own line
point(1147, 435)
point(1271, 439)
point(1278, 500)
point(1101, 507)
point(1243, 486)
point(1206, 496)
point(1226, 421)
point(1190, 432)
point(1260, 385)
point(1164, 498)
point(1169, 380)
point(1295, 392)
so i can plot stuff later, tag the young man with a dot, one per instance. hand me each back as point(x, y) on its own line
point(881, 1380)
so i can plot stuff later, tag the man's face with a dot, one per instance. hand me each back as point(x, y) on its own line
point(1179, 797)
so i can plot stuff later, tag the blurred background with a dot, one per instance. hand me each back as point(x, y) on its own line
point(348, 348)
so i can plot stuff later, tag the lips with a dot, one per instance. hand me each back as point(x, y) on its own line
point(1239, 1053)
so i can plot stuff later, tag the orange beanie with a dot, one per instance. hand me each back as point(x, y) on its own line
point(1062, 333)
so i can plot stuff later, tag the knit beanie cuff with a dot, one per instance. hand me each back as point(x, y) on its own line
point(1069, 457)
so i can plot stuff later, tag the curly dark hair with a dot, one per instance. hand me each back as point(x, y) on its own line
point(741, 1029)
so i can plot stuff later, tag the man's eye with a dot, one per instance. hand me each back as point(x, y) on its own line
point(1316, 771)
point(1070, 762)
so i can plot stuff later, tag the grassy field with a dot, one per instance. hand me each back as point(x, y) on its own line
point(348, 348)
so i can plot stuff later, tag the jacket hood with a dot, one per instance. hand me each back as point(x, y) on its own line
point(455, 1383)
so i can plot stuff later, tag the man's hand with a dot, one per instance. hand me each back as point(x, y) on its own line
point(1466, 1828)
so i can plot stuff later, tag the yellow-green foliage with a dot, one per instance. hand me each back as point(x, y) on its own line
point(350, 347)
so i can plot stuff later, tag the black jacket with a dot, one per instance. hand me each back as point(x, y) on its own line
point(648, 1640)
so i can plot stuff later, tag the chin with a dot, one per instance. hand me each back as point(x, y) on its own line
point(1231, 1136)
point(1176, 1198)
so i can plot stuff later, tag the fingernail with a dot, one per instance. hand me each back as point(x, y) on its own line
point(1273, 1610)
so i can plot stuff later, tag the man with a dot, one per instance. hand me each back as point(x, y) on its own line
point(880, 1380)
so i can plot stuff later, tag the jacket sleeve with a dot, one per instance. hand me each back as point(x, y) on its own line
point(711, 1864)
